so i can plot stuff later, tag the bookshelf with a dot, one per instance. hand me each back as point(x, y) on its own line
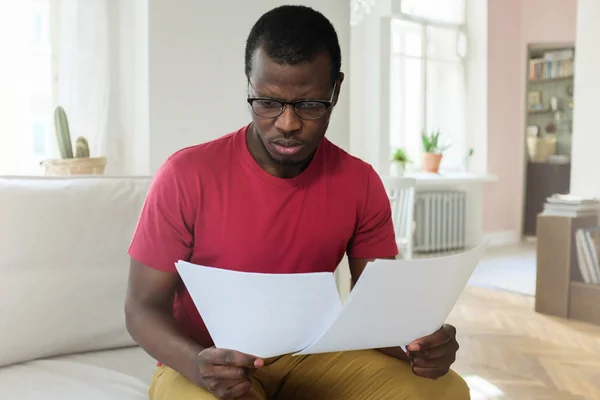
point(549, 102)
point(548, 126)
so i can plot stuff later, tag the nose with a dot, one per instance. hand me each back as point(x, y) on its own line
point(288, 121)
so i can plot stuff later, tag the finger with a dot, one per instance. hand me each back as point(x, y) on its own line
point(442, 362)
point(430, 373)
point(441, 351)
point(442, 336)
point(215, 384)
point(235, 391)
point(222, 386)
point(224, 372)
point(235, 358)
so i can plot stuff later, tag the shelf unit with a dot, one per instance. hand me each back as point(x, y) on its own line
point(560, 290)
point(550, 75)
point(548, 127)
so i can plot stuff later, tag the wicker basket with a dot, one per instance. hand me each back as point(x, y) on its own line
point(74, 166)
point(540, 149)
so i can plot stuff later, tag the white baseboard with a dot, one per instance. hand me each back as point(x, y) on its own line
point(502, 238)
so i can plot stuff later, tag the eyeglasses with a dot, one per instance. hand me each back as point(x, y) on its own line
point(306, 109)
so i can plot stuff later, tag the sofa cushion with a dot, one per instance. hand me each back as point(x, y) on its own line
point(132, 361)
point(106, 375)
point(64, 263)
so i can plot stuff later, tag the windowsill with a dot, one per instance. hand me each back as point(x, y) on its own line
point(449, 178)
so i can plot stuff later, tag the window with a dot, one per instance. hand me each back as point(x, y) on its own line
point(28, 87)
point(435, 11)
point(428, 85)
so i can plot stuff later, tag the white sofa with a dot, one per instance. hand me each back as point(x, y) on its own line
point(63, 276)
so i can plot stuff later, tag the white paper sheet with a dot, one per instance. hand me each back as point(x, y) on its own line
point(397, 301)
point(265, 315)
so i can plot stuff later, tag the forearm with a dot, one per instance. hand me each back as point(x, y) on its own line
point(154, 328)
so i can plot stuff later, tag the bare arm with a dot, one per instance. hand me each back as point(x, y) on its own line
point(150, 321)
point(357, 266)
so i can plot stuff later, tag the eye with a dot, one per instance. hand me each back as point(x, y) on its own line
point(308, 105)
point(268, 104)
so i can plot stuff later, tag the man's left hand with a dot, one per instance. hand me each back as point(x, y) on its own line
point(432, 356)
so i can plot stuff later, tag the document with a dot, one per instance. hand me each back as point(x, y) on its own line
point(397, 301)
point(267, 315)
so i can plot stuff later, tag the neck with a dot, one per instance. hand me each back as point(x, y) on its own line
point(261, 156)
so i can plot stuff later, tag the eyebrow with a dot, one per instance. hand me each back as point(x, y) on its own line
point(301, 98)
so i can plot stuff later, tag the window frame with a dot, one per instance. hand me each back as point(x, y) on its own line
point(425, 24)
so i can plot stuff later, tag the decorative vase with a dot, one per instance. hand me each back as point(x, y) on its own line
point(431, 162)
point(397, 169)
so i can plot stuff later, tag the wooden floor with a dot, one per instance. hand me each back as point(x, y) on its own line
point(524, 354)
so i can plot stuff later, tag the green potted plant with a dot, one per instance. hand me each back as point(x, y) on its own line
point(76, 162)
point(433, 151)
point(399, 161)
point(467, 160)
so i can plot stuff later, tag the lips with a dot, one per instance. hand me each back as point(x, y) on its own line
point(287, 143)
point(287, 148)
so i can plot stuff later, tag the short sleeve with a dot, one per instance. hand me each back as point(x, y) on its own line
point(374, 236)
point(164, 232)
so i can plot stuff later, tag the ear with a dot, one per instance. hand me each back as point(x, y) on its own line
point(338, 87)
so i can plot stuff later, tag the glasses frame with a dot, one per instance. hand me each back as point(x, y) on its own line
point(327, 103)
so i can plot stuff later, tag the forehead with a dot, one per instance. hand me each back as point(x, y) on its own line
point(288, 82)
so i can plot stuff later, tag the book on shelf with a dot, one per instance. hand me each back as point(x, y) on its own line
point(587, 241)
point(571, 206)
point(554, 64)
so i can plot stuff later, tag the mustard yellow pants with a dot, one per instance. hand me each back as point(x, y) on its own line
point(356, 375)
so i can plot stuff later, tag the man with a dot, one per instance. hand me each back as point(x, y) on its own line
point(277, 197)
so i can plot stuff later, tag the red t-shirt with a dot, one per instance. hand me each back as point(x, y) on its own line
point(213, 205)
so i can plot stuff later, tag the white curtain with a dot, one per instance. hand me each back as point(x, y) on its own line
point(85, 79)
point(74, 41)
point(16, 64)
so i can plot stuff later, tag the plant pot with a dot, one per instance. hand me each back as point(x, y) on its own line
point(397, 169)
point(74, 166)
point(466, 164)
point(431, 162)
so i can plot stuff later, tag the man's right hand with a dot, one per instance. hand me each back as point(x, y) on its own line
point(226, 373)
point(150, 321)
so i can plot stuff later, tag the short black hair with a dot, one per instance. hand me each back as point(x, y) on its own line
point(292, 35)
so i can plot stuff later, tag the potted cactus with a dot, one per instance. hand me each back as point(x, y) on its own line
point(77, 163)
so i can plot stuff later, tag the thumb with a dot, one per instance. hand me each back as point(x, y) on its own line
point(414, 346)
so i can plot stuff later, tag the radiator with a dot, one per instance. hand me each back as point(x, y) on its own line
point(440, 219)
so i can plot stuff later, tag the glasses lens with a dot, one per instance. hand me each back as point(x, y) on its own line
point(267, 108)
point(310, 109)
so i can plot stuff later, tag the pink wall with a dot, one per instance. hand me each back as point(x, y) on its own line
point(512, 24)
point(548, 21)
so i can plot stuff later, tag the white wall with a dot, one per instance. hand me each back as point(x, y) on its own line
point(477, 84)
point(133, 85)
point(196, 81)
point(586, 137)
point(370, 83)
point(182, 81)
